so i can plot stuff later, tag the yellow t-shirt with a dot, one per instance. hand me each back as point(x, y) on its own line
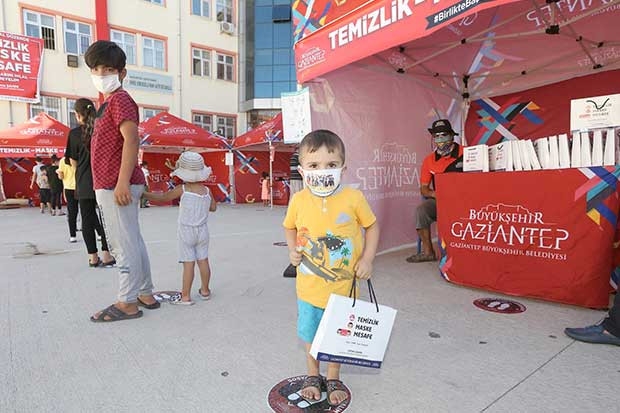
point(68, 180)
point(330, 231)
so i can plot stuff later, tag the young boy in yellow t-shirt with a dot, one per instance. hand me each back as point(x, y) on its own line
point(323, 228)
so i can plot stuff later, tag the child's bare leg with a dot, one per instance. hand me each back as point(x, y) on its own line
point(205, 276)
point(311, 393)
point(188, 279)
point(333, 373)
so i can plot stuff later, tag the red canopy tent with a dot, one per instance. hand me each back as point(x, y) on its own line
point(379, 74)
point(164, 136)
point(267, 137)
point(269, 131)
point(167, 133)
point(40, 135)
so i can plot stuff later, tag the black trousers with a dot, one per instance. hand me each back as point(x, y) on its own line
point(90, 224)
point(612, 322)
point(56, 199)
point(72, 211)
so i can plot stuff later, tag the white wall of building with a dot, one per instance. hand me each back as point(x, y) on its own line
point(171, 29)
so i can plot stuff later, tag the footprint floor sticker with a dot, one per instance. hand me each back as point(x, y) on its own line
point(285, 397)
point(499, 305)
point(163, 296)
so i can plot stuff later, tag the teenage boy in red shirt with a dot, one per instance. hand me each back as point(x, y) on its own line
point(119, 182)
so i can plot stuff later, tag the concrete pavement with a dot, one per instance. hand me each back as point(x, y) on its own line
point(224, 355)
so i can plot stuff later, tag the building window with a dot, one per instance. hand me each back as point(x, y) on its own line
point(203, 120)
point(153, 52)
point(49, 105)
point(226, 126)
point(148, 113)
point(201, 8)
point(127, 42)
point(281, 13)
point(224, 10)
point(160, 2)
point(73, 123)
point(201, 62)
point(42, 26)
point(77, 37)
point(225, 67)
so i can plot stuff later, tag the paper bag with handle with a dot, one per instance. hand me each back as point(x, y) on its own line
point(353, 331)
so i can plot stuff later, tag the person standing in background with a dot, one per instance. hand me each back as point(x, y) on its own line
point(296, 184)
point(38, 176)
point(55, 186)
point(66, 172)
point(144, 203)
point(78, 151)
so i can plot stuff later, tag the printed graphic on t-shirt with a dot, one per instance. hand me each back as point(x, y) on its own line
point(328, 257)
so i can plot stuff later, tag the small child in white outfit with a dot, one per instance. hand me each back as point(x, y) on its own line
point(193, 232)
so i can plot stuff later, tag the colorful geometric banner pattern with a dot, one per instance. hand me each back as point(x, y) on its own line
point(494, 118)
point(601, 184)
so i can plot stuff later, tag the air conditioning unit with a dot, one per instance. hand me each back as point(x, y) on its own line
point(72, 60)
point(227, 27)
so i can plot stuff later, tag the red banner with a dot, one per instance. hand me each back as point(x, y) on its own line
point(542, 234)
point(533, 113)
point(16, 175)
point(376, 26)
point(20, 67)
point(248, 173)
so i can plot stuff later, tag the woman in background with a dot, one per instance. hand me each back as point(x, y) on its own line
point(78, 151)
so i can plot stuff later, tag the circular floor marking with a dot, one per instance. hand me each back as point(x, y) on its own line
point(284, 397)
point(499, 305)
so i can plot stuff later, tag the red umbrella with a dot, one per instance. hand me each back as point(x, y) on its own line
point(270, 131)
point(41, 135)
point(166, 130)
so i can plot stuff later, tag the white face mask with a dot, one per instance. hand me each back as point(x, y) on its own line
point(322, 182)
point(106, 84)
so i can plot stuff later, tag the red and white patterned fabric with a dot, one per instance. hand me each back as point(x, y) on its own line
point(107, 141)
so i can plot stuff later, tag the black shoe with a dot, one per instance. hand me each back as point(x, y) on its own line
point(290, 271)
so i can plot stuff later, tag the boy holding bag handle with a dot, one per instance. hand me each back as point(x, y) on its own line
point(323, 228)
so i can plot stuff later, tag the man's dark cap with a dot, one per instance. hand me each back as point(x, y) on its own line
point(442, 125)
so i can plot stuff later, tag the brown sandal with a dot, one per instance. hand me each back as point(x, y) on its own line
point(335, 385)
point(313, 381)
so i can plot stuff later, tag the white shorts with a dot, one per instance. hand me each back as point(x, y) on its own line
point(193, 243)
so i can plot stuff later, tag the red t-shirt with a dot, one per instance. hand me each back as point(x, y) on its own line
point(106, 148)
point(434, 164)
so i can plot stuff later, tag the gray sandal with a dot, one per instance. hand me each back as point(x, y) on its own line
point(422, 258)
point(313, 381)
point(335, 385)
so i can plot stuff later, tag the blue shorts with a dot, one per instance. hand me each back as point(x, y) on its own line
point(308, 319)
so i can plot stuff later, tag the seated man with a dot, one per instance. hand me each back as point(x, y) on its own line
point(606, 332)
point(447, 157)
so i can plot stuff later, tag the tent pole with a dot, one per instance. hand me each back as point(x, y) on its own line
point(231, 181)
point(271, 175)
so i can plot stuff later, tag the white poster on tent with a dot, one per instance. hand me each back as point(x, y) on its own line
point(296, 118)
point(595, 112)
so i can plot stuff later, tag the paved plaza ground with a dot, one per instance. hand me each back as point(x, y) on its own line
point(224, 355)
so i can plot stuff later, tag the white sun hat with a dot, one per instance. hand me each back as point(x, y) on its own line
point(190, 167)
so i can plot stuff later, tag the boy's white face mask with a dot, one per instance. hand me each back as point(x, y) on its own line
point(322, 182)
point(106, 84)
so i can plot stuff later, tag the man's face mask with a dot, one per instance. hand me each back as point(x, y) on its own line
point(444, 143)
point(322, 182)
